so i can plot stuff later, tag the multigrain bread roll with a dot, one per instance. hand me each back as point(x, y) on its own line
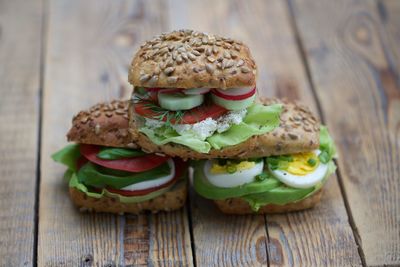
point(298, 131)
point(240, 207)
point(104, 128)
point(174, 199)
point(190, 59)
point(104, 123)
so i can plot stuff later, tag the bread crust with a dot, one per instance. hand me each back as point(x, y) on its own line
point(298, 132)
point(191, 59)
point(103, 124)
point(171, 200)
point(239, 206)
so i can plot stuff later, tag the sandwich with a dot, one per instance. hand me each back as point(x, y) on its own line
point(107, 172)
point(195, 97)
point(279, 182)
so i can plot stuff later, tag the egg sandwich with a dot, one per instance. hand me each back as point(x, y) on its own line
point(107, 172)
point(280, 181)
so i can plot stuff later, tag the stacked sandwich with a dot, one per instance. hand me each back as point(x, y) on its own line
point(195, 98)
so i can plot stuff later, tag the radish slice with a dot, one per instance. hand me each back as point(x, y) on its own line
point(155, 182)
point(196, 91)
point(223, 94)
point(153, 89)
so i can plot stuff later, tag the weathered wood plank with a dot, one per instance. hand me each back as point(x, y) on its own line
point(20, 24)
point(356, 75)
point(90, 45)
point(294, 239)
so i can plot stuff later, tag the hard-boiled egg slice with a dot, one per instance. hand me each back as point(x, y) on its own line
point(232, 179)
point(153, 183)
point(302, 181)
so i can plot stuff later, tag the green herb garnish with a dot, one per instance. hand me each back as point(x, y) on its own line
point(161, 114)
point(312, 162)
point(231, 168)
point(324, 157)
point(262, 176)
point(278, 162)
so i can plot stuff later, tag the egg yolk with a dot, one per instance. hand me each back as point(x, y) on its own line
point(231, 167)
point(300, 164)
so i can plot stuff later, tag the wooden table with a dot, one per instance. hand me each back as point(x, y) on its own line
point(340, 57)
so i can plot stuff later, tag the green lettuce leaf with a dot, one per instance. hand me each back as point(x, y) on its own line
point(68, 156)
point(166, 134)
point(113, 153)
point(90, 174)
point(326, 143)
point(283, 194)
point(260, 119)
point(73, 182)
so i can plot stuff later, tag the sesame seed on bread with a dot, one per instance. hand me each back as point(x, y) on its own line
point(239, 206)
point(192, 59)
point(297, 132)
point(104, 124)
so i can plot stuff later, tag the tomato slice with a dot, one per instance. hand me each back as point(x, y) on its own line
point(180, 166)
point(136, 164)
point(234, 97)
point(197, 114)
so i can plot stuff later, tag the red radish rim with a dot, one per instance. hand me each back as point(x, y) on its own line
point(179, 166)
point(235, 97)
point(153, 89)
point(170, 91)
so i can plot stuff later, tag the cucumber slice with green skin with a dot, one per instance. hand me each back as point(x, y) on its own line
point(179, 101)
point(233, 104)
point(196, 91)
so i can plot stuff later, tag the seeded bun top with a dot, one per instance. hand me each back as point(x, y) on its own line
point(104, 124)
point(191, 59)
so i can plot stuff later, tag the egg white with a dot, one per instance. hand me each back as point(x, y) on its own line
point(153, 183)
point(302, 181)
point(227, 180)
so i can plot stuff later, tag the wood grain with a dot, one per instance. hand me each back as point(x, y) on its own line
point(20, 24)
point(318, 237)
point(354, 62)
point(89, 47)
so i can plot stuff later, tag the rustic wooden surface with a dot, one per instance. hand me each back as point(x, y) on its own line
point(19, 130)
point(341, 58)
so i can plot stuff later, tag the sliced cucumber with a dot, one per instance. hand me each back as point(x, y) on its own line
point(179, 101)
point(233, 104)
point(196, 91)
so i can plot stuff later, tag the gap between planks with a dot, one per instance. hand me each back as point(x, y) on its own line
point(43, 46)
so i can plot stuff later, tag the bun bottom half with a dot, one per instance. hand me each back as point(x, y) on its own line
point(239, 206)
point(169, 201)
point(292, 136)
